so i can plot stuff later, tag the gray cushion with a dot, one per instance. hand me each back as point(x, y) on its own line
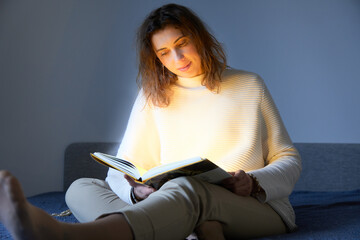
point(329, 167)
point(79, 164)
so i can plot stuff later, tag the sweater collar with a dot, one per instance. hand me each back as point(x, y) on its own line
point(193, 82)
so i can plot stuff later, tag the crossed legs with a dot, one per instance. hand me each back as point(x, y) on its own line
point(96, 194)
point(25, 221)
point(239, 217)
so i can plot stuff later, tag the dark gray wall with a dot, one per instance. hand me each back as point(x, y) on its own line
point(68, 69)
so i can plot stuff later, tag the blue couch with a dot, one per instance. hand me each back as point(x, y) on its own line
point(326, 198)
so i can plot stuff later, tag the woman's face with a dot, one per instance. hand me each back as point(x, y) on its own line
point(177, 52)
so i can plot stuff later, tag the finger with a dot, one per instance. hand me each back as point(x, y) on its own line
point(245, 179)
point(130, 180)
point(242, 190)
point(143, 191)
point(239, 174)
point(148, 190)
point(228, 181)
point(238, 186)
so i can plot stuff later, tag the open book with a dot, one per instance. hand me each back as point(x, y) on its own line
point(197, 167)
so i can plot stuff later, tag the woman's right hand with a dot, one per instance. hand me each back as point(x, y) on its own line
point(141, 191)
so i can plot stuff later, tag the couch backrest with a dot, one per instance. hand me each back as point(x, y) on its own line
point(79, 164)
point(326, 166)
point(329, 167)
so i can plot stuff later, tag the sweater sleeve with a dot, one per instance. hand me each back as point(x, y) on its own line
point(139, 146)
point(282, 161)
point(119, 185)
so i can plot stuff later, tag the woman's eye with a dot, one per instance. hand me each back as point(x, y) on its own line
point(182, 44)
point(163, 53)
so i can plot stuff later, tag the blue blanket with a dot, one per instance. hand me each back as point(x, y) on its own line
point(325, 215)
point(52, 202)
point(319, 215)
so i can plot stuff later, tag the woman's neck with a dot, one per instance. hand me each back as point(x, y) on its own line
point(191, 82)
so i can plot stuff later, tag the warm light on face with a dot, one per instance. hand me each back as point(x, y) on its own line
point(177, 52)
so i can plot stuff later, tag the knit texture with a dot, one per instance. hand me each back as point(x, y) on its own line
point(238, 128)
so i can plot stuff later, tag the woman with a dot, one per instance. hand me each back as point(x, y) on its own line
point(189, 105)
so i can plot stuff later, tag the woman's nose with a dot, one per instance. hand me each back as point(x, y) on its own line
point(178, 55)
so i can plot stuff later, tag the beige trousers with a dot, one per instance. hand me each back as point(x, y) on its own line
point(174, 211)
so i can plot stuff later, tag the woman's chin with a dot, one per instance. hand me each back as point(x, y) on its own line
point(188, 74)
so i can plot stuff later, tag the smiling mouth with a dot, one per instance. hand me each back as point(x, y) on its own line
point(183, 69)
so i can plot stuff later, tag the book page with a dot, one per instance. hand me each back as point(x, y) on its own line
point(117, 163)
point(170, 166)
point(204, 169)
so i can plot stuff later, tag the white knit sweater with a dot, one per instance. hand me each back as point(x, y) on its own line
point(239, 128)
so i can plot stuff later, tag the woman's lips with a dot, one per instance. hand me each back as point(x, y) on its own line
point(184, 69)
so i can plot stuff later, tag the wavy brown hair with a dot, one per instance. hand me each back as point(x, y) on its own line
point(156, 80)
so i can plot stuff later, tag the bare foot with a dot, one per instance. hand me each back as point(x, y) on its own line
point(25, 221)
point(18, 216)
point(210, 230)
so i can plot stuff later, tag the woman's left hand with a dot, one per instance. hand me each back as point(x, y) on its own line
point(240, 183)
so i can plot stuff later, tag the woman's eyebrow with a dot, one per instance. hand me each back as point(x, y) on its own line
point(182, 36)
point(179, 38)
